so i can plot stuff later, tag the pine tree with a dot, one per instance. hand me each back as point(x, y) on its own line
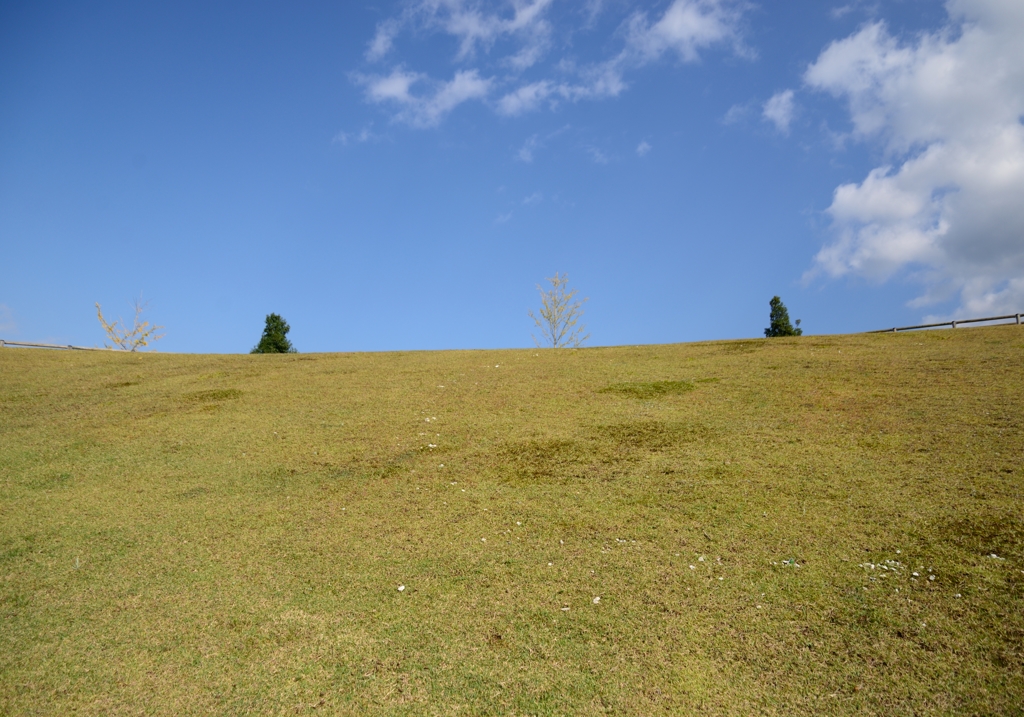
point(780, 321)
point(275, 339)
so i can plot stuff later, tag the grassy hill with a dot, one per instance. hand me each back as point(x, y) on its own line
point(822, 525)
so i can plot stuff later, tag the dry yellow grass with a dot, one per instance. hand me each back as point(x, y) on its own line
point(227, 534)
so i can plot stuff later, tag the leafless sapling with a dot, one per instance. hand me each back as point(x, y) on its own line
point(138, 336)
point(559, 315)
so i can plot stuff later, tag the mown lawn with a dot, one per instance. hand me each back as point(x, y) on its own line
point(822, 525)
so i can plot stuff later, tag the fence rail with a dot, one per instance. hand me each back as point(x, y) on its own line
point(24, 345)
point(952, 324)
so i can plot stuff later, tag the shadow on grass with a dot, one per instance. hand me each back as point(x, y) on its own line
point(599, 452)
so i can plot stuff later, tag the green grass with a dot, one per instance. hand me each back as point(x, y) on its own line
point(227, 534)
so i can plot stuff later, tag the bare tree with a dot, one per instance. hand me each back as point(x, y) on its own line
point(560, 313)
point(138, 336)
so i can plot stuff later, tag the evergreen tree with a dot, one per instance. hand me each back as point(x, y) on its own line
point(275, 339)
point(780, 321)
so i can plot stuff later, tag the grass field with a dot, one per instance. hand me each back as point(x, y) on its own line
point(822, 525)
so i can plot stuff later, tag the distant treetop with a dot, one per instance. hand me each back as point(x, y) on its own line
point(275, 337)
point(780, 325)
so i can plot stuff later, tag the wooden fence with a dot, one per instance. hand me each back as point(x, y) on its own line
point(952, 324)
point(20, 344)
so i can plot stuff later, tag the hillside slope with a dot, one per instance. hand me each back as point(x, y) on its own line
point(789, 526)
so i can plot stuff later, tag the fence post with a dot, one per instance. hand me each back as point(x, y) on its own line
point(954, 324)
point(1018, 322)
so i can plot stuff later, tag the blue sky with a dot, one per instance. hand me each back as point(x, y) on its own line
point(402, 175)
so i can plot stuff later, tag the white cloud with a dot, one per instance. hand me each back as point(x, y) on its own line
point(525, 153)
point(502, 218)
point(474, 27)
point(870, 8)
point(535, 142)
point(597, 155)
point(533, 198)
point(643, 148)
point(525, 98)
point(946, 108)
point(686, 27)
point(524, 37)
point(362, 136)
point(383, 40)
point(736, 113)
point(779, 110)
point(429, 109)
point(7, 322)
point(592, 9)
point(595, 82)
point(466, 85)
point(395, 86)
point(838, 13)
point(598, 81)
point(529, 55)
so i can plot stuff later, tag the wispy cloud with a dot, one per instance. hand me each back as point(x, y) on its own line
point(395, 86)
point(841, 11)
point(869, 8)
point(477, 28)
point(525, 98)
point(643, 148)
point(597, 155)
point(429, 108)
point(473, 25)
point(361, 137)
point(780, 110)
point(525, 31)
point(594, 83)
point(502, 218)
point(533, 198)
point(535, 142)
point(384, 40)
point(592, 9)
point(525, 153)
point(686, 28)
point(736, 113)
